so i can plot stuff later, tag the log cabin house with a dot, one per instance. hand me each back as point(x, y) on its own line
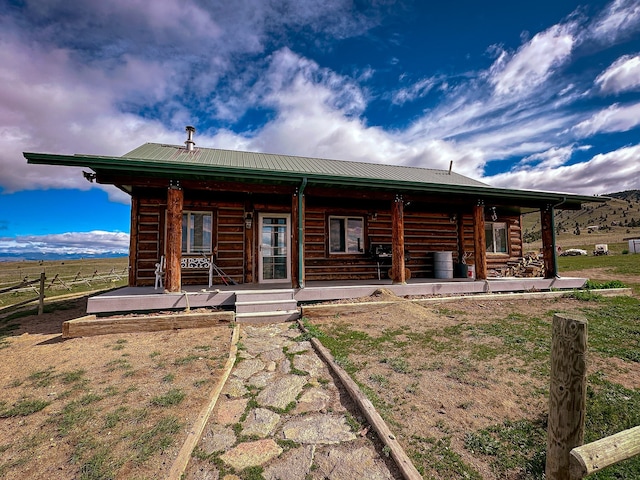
point(279, 219)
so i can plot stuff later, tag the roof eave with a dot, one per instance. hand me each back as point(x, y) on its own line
point(173, 169)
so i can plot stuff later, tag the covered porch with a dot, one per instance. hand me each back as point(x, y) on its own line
point(280, 302)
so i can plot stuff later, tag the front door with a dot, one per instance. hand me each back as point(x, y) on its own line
point(275, 248)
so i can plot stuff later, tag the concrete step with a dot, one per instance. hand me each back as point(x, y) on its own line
point(268, 317)
point(266, 306)
point(264, 295)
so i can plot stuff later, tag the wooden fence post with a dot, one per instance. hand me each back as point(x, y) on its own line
point(41, 294)
point(567, 393)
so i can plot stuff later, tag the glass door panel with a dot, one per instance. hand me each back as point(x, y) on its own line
point(275, 252)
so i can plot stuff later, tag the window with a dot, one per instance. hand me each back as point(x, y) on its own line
point(346, 234)
point(197, 230)
point(496, 237)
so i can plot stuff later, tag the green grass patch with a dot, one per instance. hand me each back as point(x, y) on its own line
point(591, 284)
point(73, 376)
point(186, 360)
point(157, 439)
point(100, 466)
point(397, 364)
point(618, 264)
point(435, 458)
point(119, 364)
point(520, 446)
point(71, 418)
point(614, 328)
point(23, 408)
point(112, 419)
point(42, 378)
point(172, 397)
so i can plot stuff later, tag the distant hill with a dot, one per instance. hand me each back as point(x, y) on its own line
point(609, 222)
point(13, 257)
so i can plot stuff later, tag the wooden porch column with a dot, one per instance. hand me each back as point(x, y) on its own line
point(133, 243)
point(397, 241)
point(175, 199)
point(479, 242)
point(548, 242)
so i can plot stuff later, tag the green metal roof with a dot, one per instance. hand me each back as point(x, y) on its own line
point(176, 162)
point(213, 158)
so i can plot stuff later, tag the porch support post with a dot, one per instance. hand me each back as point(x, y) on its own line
point(175, 200)
point(397, 241)
point(133, 243)
point(548, 242)
point(479, 241)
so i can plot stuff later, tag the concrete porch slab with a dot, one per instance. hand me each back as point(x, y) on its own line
point(140, 299)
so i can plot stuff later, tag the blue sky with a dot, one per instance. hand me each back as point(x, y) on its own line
point(537, 95)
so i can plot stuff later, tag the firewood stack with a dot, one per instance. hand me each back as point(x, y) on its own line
point(528, 266)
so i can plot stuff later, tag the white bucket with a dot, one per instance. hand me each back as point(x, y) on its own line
point(471, 271)
point(442, 264)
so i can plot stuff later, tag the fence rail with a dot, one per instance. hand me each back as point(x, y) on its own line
point(56, 282)
point(39, 291)
point(602, 453)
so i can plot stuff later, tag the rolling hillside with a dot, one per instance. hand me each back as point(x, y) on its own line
point(610, 222)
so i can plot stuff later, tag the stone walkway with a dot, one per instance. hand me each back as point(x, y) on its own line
point(281, 411)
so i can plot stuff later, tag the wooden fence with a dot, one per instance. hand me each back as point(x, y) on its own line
point(567, 458)
point(58, 281)
point(26, 283)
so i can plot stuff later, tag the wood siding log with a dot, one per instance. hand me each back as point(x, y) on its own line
point(133, 242)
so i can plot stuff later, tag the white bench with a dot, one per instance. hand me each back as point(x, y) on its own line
point(185, 263)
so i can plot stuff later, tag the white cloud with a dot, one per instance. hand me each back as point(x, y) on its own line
point(604, 173)
point(617, 21)
point(96, 242)
point(534, 62)
point(623, 75)
point(149, 69)
point(411, 93)
point(614, 118)
point(552, 158)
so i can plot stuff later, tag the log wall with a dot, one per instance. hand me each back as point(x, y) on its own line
point(150, 233)
point(425, 232)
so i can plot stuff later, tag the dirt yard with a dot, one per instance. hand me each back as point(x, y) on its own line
point(455, 381)
point(111, 406)
point(462, 383)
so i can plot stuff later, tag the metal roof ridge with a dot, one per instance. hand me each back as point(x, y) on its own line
point(356, 162)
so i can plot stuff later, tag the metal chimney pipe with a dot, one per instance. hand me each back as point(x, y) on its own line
point(189, 142)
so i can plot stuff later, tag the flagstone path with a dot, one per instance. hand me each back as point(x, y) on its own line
point(281, 410)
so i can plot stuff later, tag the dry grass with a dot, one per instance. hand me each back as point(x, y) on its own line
point(113, 406)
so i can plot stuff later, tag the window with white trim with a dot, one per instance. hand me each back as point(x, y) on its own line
point(346, 234)
point(197, 232)
point(496, 237)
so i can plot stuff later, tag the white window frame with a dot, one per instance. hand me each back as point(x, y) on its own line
point(207, 250)
point(494, 228)
point(345, 240)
